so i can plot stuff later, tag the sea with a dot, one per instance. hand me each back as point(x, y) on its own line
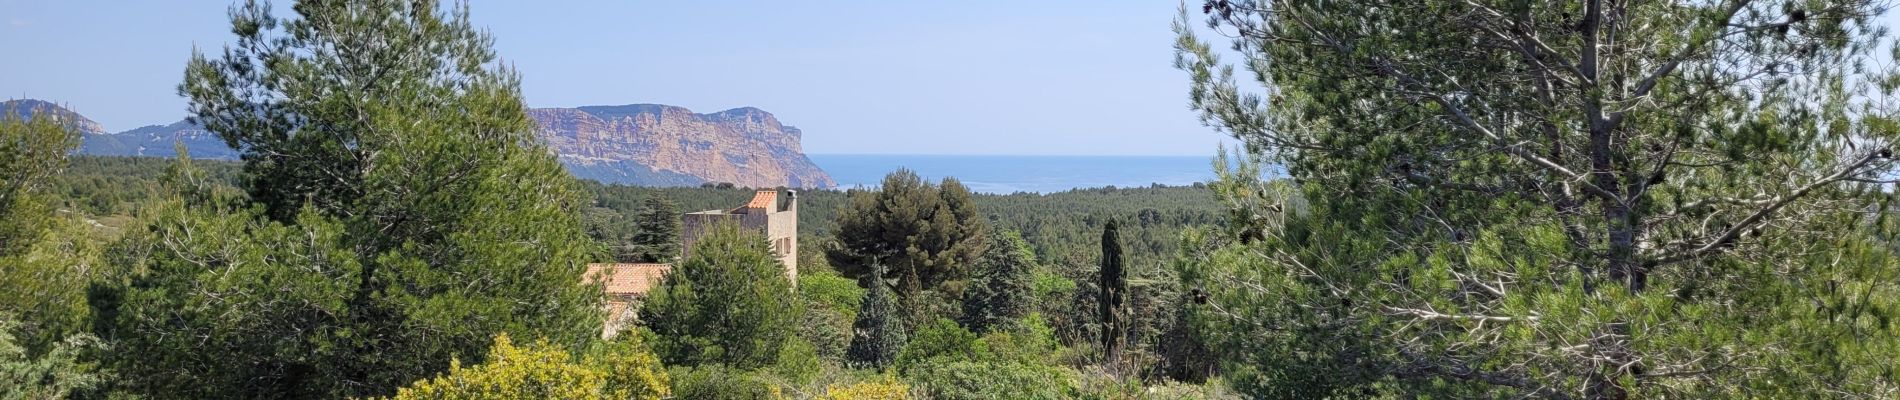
point(1012, 174)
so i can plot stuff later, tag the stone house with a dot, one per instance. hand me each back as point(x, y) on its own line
point(624, 283)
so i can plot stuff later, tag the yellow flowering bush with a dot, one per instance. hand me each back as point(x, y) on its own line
point(886, 388)
point(622, 370)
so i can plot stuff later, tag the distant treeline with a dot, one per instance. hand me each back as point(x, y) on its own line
point(1063, 227)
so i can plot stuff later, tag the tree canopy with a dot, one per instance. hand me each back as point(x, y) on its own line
point(729, 304)
point(1595, 199)
point(927, 234)
point(1003, 291)
point(396, 204)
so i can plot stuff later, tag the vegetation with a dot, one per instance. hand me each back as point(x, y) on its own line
point(928, 235)
point(46, 262)
point(58, 372)
point(380, 182)
point(832, 305)
point(1482, 200)
point(541, 371)
point(1571, 199)
point(1001, 294)
point(657, 232)
point(1113, 293)
point(878, 334)
point(730, 304)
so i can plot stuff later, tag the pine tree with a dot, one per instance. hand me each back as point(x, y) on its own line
point(1003, 291)
point(657, 235)
point(406, 214)
point(730, 304)
point(927, 234)
point(1114, 291)
point(878, 334)
point(47, 257)
point(1573, 199)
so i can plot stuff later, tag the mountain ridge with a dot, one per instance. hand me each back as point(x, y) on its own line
point(642, 144)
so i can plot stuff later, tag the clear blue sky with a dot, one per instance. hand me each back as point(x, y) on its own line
point(974, 77)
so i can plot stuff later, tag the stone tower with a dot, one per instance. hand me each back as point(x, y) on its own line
point(767, 213)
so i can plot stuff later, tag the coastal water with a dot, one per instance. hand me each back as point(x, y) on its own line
point(1010, 174)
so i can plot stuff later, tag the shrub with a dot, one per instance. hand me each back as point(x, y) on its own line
point(798, 362)
point(942, 340)
point(633, 371)
point(955, 380)
point(884, 388)
point(713, 381)
point(831, 303)
point(534, 371)
point(834, 292)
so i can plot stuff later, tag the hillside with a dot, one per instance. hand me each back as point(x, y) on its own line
point(29, 107)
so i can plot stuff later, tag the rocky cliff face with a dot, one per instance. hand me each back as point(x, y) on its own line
point(745, 146)
point(641, 144)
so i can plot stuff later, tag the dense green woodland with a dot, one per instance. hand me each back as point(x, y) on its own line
point(1590, 199)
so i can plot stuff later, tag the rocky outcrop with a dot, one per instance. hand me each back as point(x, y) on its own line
point(745, 146)
point(641, 144)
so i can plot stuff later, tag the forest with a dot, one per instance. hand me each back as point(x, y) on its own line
point(1481, 199)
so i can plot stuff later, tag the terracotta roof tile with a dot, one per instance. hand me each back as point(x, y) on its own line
point(627, 279)
point(763, 199)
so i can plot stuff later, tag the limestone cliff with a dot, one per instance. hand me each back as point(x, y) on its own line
point(745, 146)
point(641, 144)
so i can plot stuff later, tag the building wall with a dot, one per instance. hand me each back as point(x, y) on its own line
point(782, 230)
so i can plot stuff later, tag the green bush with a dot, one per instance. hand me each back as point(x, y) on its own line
point(832, 303)
point(954, 380)
point(1033, 342)
point(834, 292)
point(798, 362)
point(712, 381)
point(942, 340)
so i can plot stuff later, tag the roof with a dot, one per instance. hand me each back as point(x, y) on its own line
point(627, 279)
point(763, 199)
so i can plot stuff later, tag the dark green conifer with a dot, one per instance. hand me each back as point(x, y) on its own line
point(1114, 289)
point(878, 334)
point(657, 237)
point(1003, 291)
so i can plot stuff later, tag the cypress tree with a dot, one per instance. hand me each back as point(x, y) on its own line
point(1114, 289)
point(878, 334)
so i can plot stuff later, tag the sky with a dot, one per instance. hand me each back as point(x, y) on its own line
point(1054, 77)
